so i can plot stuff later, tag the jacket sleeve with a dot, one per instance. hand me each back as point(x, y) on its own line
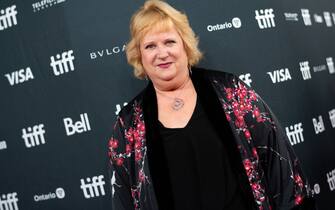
point(118, 169)
point(287, 186)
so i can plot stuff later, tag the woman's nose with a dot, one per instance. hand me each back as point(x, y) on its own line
point(162, 52)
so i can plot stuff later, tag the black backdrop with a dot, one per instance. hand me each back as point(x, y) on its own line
point(65, 77)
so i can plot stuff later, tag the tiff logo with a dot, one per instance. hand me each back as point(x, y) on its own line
point(8, 17)
point(19, 76)
point(78, 127)
point(94, 186)
point(305, 70)
point(318, 126)
point(33, 136)
point(331, 179)
point(328, 19)
point(281, 75)
point(332, 117)
point(9, 201)
point(118, 107)
point(330, 65)
point(3, 145)
point(294, 133)
point(63, 63)
point(306, 17)
point(246, 78)
point(265, 18)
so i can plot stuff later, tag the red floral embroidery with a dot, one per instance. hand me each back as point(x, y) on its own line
point(135, 145)
point(238, 103)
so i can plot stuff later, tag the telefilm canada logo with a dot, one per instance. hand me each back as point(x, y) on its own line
point(265, 18)
point(8, 17)
point(44, 4)
point(19, 76)
point(58, 194)
point(234, 23)
point(93, 186)
point(295, 133)
point(289, 16)
point(9, 201)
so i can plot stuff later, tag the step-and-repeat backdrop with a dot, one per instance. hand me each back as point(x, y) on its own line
point(64, 77)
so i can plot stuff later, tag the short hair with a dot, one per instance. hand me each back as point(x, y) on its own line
point(156, 14)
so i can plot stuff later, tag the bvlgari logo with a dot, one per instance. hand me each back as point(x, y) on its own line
point(107, 52)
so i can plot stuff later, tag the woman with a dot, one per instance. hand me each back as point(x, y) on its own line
point(195, 138)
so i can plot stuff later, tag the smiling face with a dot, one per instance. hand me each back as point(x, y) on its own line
point(164, 58)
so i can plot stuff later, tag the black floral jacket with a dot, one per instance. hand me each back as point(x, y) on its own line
point(269, 171)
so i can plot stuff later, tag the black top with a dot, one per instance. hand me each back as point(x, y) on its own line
point(200, 173)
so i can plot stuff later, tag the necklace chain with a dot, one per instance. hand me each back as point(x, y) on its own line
point(178, 102)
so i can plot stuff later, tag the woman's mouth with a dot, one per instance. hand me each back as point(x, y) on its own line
point(165, 65)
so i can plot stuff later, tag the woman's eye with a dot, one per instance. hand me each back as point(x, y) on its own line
point(170, 42)
point(150, 46)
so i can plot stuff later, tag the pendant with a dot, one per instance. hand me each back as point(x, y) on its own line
point(178, 103)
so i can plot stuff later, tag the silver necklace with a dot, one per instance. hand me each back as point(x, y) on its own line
point(177, 102)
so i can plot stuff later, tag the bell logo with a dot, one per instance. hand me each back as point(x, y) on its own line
point(3, 145)
point(281, 75)
point(319, 127)
point(78, 127)
point(246, 78)
point(265, 18)
point(8, 17)
point(328, 19)
point(94, 187)
point(305, 70)
point(63, 63)
point(331, 180)
point(332, 117)
point(19, 76)
point(33, 136)
point(306, 17)
point(9, 201)
point(294, 133)
point(330, 65)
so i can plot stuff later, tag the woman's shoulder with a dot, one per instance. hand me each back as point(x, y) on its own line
point(215, 74)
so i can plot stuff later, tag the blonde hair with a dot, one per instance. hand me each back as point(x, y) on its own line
point(156, 14)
